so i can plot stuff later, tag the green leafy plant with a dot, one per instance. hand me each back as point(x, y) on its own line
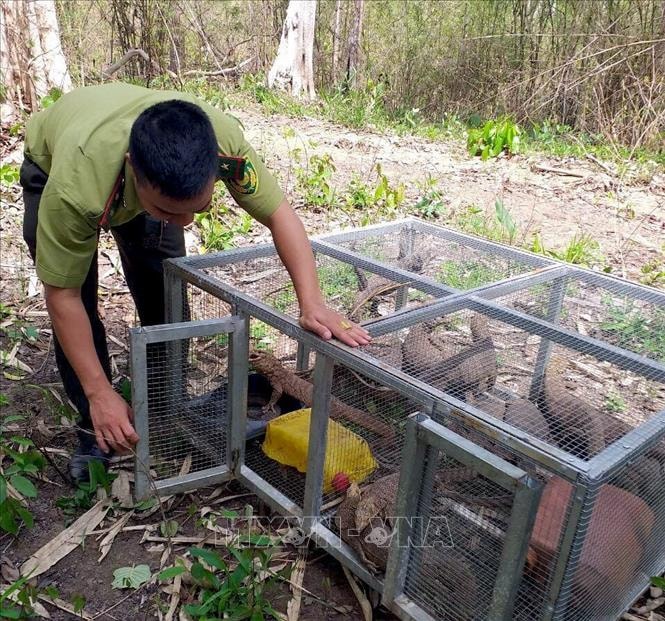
point(9, 174)
point(494, 138)
point(20, 461)
point(615, 403)
point(18, 600)
point(86, 492)
point(50, 98)
point(315, 181)
point(582, 249)
point(505, 221)
point(231, 592)
point(219, 227)
point(431, 204)
point(631, 327)
point(131, 577)
point(383, 200)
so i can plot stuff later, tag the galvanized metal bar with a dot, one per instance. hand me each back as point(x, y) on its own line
point(371, 230)
point(164, 333)
point(220, 259)
point(406, 245)
point(515, 547)
point(421, 283)
point(345, 554)
point(408, 610)
point(467, 452)
point(139, 375)
point(302, 357)
point(193, 480)
point(620, 286)
point(457, 301)
point(236, 424)
point(266, 492)
point(479, 243)
point(318, 436)
point(573, 340)
point(406, 504)
point(550, 456)
point(545, 347)
point(580, 491)
point(174, 307)
point(174, 303)
point(636, 441)
point(575, 554)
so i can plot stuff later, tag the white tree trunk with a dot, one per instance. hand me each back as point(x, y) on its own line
point(293, 69)
point(31, 57)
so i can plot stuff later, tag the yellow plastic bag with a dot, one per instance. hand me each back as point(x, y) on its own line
point(287, 439)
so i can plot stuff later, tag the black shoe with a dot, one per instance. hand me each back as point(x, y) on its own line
point(78, 465)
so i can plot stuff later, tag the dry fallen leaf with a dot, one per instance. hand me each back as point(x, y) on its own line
point(122, 490)
point(106, 543)
point(69, 539)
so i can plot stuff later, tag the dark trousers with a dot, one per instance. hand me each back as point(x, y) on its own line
point(143, 243)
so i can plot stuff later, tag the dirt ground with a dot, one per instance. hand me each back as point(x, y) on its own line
point(626, 214)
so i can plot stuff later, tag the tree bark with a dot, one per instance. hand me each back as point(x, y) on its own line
point(335, 56)
point(31, 58)
point(293, 69)
point(353, 61)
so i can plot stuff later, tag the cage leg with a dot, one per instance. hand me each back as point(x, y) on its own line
point(302, 357)
point(515, 547)
point(571, 551)
point(139, 374)
point(545, 348)
point(236, 416)
point(415, 455)
point(318, 434)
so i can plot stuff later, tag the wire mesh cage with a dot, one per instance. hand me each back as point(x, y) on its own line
point(545, 388)
point(451, 259)
point(182, 395)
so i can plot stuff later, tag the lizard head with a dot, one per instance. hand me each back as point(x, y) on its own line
point(478, 325)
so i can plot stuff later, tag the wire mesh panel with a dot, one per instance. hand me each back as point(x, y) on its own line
point(276, 388)
point(552, 381)
point(182, 395)
point(349, 289)
point(574, 400)
point(619, 543)
point(602, 307)
point(457, 261)
point(464, 517)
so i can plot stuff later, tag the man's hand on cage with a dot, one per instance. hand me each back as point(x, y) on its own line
point(112, 419)
point(328, 323)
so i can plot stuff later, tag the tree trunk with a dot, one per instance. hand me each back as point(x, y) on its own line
point(293, 69)
point(335, 55)
point(353, 62)
point(31, 57)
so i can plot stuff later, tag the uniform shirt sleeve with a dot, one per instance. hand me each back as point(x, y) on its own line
point(66, 240)
point(258, 193)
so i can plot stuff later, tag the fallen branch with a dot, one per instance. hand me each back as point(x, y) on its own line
point(219, 72)
point(559, 171)
point(284, 381)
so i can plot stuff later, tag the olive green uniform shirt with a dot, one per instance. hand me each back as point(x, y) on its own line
point(81, 141)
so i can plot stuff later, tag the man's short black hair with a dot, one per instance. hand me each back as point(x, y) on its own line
point(173, 147)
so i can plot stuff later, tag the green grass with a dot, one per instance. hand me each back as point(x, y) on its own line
point(468, 274)
point(339, 282)
point(632, 328)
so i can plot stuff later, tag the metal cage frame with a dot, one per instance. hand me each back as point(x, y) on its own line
point(585, 475)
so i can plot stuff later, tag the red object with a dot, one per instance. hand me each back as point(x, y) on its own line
point(341, 481)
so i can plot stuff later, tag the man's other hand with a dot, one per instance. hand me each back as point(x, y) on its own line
point(112, 419)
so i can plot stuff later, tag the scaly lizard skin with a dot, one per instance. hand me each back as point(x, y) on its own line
point(285, 381)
